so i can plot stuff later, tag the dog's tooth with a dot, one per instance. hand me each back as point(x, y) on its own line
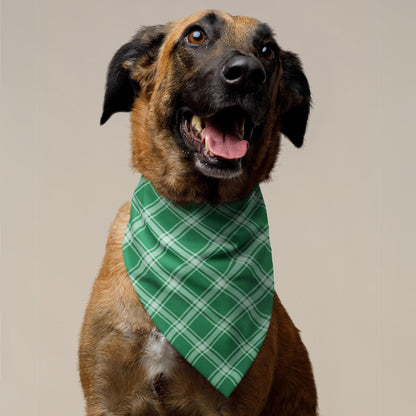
point(196, 122)
point(207, 150)
point(209, 153)
point(242, 127)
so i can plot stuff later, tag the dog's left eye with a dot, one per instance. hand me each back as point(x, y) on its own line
point(267, 52)
point(197, 37)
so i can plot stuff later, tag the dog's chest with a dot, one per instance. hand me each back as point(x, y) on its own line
point(159, 357)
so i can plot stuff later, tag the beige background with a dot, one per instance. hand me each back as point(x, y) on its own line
point(342, 209)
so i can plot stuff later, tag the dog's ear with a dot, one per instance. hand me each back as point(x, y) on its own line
point(295, 98)
point(128, 68)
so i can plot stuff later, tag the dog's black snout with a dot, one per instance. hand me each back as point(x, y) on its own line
point(243, 72)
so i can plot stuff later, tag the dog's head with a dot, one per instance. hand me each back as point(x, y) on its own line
point(209, 96)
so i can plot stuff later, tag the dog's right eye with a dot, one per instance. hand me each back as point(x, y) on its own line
point(197, 37)
point(267, 52)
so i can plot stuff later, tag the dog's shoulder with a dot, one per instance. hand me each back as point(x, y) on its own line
point(113, 297)
point(118, 227)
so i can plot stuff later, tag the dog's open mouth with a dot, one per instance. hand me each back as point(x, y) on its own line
point(217, 142)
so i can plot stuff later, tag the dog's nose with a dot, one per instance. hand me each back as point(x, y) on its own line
point(243, 72)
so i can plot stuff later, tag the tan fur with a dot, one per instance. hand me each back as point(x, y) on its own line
point(120, 372)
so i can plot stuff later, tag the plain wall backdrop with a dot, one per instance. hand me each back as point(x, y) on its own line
point(342, 208)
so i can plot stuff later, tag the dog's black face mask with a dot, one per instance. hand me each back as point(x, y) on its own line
point(220, 85)
point(227, 93)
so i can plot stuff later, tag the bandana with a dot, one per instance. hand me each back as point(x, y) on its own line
point(204, 274)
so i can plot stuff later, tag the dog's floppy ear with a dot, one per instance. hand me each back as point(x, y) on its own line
point(295, 98)
point(121, 87)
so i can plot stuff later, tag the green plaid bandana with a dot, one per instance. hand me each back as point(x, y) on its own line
point(204, 274)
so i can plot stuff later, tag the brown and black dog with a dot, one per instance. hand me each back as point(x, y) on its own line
point(227, 71)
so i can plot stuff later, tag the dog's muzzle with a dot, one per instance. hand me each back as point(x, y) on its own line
point(215, 127)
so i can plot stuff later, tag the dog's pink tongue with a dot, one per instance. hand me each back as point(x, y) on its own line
point(224, 144)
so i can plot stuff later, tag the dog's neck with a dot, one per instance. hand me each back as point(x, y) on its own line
point(197, 188)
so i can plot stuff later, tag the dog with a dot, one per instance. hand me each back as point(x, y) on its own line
point(226, 73)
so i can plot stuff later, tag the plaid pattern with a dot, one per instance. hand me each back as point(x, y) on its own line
point(204, 274)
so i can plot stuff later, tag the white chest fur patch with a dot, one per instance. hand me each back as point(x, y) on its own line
point(158, 356)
